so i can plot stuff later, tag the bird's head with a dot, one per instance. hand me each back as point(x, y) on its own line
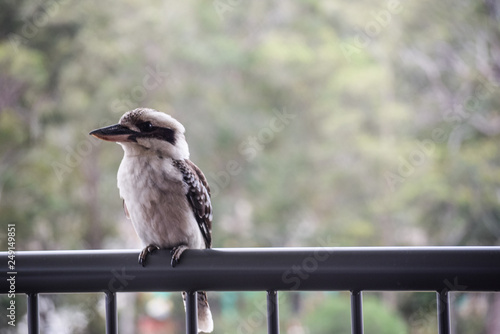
point(145, 131)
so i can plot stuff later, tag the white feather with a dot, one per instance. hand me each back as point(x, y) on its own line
point(155, 196)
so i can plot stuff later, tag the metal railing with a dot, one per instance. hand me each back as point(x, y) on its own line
point(439, 269)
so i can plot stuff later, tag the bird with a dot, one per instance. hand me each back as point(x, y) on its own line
point(165, 195)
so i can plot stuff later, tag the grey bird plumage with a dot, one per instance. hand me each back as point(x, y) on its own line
point(165, 195)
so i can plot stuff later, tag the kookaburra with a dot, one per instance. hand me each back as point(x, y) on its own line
point(166, 196)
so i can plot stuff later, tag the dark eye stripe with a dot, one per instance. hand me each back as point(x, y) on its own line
point(165, 134)
point(145, 127)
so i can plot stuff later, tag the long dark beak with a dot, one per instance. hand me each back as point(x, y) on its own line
point(116, 133)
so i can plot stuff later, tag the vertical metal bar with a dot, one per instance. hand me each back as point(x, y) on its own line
point(111, 313)
point(33, 315)
point(273, 320)
point(443, 312)
point(356, 312)
point(191, 312)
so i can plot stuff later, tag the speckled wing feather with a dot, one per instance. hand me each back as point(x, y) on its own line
point(198, 196)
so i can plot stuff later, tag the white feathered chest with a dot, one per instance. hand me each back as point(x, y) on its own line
point(155, 197)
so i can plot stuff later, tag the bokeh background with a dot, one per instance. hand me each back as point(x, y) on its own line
point(317, 123)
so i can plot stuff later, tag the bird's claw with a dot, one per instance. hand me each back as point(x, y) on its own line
point(145, 252)
point(176, 254)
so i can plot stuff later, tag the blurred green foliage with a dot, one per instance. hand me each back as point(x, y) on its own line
point(351, 123)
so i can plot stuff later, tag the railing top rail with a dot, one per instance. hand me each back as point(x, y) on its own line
point(252, 269)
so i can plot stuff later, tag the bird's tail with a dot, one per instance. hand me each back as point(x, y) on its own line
point(205, 322)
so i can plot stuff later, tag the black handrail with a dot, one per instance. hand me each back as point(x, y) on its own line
point(440, 269)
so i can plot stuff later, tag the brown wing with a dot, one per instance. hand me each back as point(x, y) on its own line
point(198, 196)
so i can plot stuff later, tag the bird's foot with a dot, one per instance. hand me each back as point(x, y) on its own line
point(176, 254)
point(145, 252)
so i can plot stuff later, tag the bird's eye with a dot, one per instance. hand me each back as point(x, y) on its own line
point(145, 127)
